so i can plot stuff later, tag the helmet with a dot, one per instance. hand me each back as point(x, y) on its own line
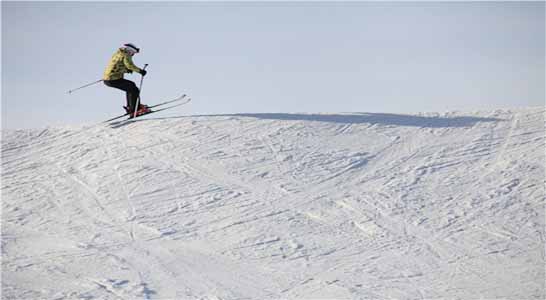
point(131, 48)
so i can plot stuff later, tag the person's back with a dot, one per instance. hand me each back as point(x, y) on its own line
point(120, 63)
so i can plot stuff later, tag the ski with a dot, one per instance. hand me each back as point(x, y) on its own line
point(123, 122)
point(179, 98)
point(163, 108)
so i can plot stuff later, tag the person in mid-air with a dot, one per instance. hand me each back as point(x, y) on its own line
point(121, 63)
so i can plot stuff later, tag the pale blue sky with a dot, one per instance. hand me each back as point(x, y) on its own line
point(251, 57)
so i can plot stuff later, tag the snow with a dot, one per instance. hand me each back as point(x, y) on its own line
point(278, 206)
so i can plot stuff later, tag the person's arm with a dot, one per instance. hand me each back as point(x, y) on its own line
point(128, 61)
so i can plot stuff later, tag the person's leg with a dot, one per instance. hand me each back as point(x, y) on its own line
point(130, 89)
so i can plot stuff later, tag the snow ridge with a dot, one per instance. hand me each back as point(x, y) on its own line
point(278, 206)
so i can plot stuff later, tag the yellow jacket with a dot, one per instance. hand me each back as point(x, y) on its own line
point(120, 63)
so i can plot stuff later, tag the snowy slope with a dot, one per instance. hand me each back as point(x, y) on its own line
point(278, 206)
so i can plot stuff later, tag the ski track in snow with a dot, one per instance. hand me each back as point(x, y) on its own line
point(278, 206)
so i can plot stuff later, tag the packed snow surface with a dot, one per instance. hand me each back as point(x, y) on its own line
point(278, 206)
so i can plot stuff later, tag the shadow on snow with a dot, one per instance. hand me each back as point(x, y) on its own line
point(361, 118)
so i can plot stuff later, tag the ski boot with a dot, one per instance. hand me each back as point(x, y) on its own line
point(128, 110)
point(142, 110)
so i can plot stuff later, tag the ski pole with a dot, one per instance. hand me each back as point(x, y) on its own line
point(139, 92)
point(81, 87)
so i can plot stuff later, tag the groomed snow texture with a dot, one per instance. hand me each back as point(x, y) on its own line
point(278, 206)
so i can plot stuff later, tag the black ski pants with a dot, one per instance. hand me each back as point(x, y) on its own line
point(130, 89)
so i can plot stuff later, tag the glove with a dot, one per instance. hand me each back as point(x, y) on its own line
point(142, 72)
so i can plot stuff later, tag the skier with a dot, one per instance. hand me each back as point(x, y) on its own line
point(121, 63)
